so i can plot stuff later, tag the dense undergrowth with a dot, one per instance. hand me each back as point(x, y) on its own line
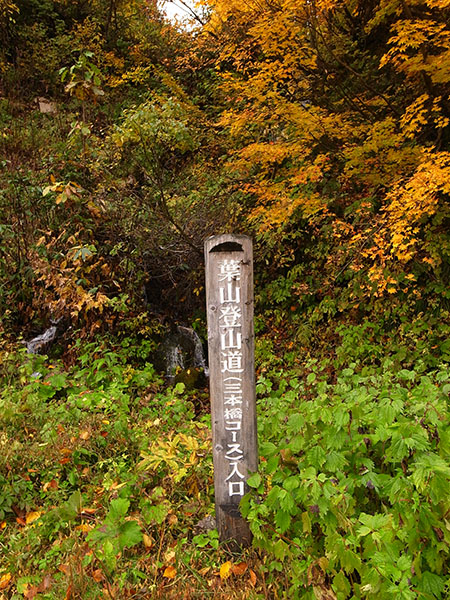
point(107, 471)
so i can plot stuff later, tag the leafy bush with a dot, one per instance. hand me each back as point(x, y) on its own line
point(354, 479)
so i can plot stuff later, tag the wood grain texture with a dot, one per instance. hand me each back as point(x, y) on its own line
point(229, 298)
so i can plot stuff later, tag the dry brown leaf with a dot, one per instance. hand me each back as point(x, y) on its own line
point(172, 519)
point(50, 485)
point(240, 568)
point(98, 575)
point(252, 577)
point(169, 555)
point(321, 592)
point(32, 591)
point(64, 569)
point(148, 541)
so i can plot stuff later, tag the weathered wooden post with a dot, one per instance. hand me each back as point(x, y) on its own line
point(229, 303)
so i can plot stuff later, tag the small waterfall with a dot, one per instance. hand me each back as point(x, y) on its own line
point(199, 355)
point(180, 350)
point(174, 360)
point(38, 342)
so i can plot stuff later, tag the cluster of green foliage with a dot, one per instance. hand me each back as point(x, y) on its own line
point(103, 473)
point(355, 478)
point(106, 471)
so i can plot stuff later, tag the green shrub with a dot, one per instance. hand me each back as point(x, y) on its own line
point(354, 480)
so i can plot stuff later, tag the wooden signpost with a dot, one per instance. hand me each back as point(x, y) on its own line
point(229, 303)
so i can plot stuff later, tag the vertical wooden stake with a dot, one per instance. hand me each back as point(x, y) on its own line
point(229, 300)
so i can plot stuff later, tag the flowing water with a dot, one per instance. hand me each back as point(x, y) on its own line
point(183, 349)
point(38, 342)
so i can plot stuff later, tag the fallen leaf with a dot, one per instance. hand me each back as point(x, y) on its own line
point(225, 569)
point(148, 542)
point(204, 570)
point(84, 527)
point(170, 572)
point(4, 580)
point(50, 485)
point(32, 516)
point(169, 556)
point(85, 435)
point(64, 569)
point(98, 575)
point(172, 519)
point(252, 577)
point(240, 568)
point(32, 591)
point(3, 525)
point(88, 511)
point(25, 588)
point(108, 593)
point(321, 592)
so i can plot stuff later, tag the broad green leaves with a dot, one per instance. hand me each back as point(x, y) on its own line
point(368, 483)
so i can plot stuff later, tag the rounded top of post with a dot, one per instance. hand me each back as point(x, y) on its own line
point(228, 242)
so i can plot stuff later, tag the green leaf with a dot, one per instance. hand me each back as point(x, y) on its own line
point(311, 378)
point(268, 449)
point(341, 584)
point(296, 423)
point(287, 502)
point(291, 483)
point(282, 520)
point(430, 583)
point(306, 522)
point(118, 509)
point(335, 461)
point(364, 530)
point(155, 513)
point(130, 534)
point(70, 509)
point(254, 480)
point(280, 549)
point(58, 381)
point(317, 456)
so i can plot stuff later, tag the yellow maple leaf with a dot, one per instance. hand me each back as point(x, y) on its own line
point(225, 569)
point(32, 516)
